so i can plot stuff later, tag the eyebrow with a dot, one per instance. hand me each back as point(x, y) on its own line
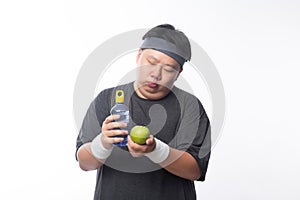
point(157, 60)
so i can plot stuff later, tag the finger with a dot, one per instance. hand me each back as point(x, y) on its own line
point(131, 148)
point(150, 140)
point(108, 136)
point(112, 140)
point(113, 125)
point(136, 148)
point(111, 118)
point(129, 141)
point(112, 133)
point(132, 144)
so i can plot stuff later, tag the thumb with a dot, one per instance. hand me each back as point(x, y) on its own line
point(150, 140)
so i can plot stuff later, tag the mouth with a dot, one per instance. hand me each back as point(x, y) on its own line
point(152, 85)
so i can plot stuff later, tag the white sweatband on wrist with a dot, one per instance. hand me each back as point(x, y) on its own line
point(160, 153)
point(98, 150)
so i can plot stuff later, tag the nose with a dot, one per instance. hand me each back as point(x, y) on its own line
point(156, 72)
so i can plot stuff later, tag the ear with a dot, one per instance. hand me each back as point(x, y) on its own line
point(138, 55)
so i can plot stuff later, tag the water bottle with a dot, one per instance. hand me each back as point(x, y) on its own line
point(121, 109)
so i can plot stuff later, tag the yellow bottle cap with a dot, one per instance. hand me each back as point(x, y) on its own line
point(119, 96)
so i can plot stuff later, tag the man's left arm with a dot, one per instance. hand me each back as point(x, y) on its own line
point(182, 164)
point(177, 162)
point(188, 153)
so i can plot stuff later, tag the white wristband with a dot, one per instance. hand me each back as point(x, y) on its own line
point(160, 153)
point(98, 150)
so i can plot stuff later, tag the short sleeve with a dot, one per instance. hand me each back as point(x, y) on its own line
point(201, 146)
point(92, 122)
point(194, 132)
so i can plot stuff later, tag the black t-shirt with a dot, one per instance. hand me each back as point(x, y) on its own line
point(178, 120)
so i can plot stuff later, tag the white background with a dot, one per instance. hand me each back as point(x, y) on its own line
point(254, 44)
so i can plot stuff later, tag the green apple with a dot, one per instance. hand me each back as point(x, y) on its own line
point(139, 134)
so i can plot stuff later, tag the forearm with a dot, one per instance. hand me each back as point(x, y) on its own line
point(181, 164)
point(86, 159)
point(177, 162)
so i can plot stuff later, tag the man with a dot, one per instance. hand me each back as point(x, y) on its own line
point(177, 152)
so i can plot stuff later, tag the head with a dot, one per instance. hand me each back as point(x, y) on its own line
point(160, 61)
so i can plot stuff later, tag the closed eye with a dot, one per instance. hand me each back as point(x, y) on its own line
point(169, 69)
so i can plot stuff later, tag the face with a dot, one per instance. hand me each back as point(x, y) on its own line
point(157, 73)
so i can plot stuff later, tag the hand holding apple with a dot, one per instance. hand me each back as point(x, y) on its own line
point(139, 134)
point(141, 143)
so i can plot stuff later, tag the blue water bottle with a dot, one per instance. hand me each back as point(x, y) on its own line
point(121, 109)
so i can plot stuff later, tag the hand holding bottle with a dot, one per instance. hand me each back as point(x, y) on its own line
point(111, 129)
point(102, 144)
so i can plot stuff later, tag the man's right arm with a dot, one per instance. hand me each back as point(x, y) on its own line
point(92, 155)
point(86, 159)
